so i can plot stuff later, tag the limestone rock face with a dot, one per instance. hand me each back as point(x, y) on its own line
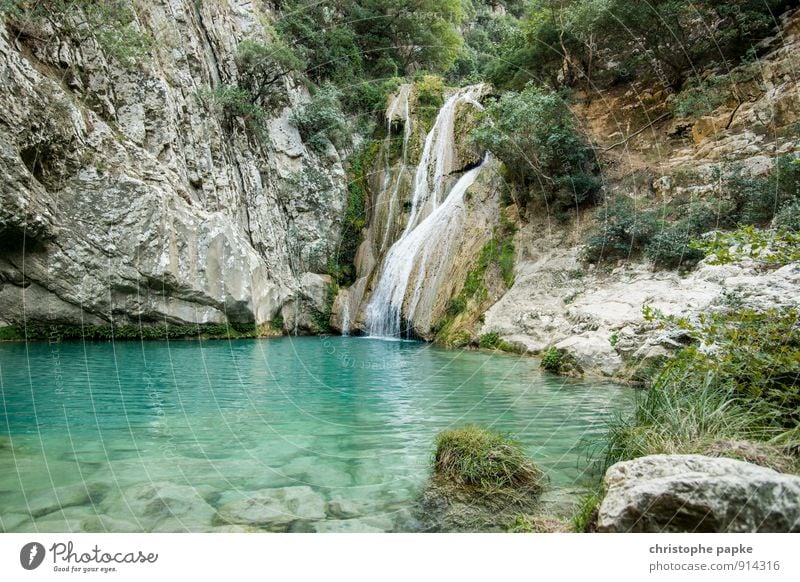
point(693, 493)
point(127, 194)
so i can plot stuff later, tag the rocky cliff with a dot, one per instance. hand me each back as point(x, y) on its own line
point(594, 313)
point(129, 196)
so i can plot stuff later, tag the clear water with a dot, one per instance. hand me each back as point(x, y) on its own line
point(164, 434)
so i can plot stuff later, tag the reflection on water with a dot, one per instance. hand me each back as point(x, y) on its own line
point(91, 433)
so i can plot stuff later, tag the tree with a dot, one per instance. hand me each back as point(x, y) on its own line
point(533, 133)
point(412, 34)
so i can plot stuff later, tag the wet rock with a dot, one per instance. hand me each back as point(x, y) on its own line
point(272, 508)
point(161, 507)
point(344, 508)
point(10, 522)
point(67, 496)
point(345, 526)
point(694, 493)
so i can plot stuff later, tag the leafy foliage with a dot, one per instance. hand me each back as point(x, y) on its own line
point(355, 219)
point(671, 237)
point(768, 247)
point(429, 94)
point(738, 382)
point(262, 68)
point(321, 121)
point(659, 39)
point(552, 360)
point(111, 24)
point(533, 133)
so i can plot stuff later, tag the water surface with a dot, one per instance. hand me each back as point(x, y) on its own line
point(158, 436)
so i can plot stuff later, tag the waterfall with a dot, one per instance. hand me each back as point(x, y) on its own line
point(346, 315)
point(423, 249)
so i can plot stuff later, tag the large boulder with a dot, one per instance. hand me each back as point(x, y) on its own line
point(694, 493)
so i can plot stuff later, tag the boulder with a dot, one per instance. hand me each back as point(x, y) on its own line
point(694, 493)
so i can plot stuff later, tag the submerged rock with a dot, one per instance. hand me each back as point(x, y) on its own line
point(164, 507)
point(67, 496)
point(694, 493)
point(275, 508)
point(345, 526)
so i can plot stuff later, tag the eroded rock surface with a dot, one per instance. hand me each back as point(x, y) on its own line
point(693, 493)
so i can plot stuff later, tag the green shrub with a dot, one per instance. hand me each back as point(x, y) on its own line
point(552, 359)
point(489, 340)
point(671, 248)
point(751, 354)
point(355, 218)
point(429, 94)
point(788, 217)
point(234, 101)
point(478, 458)
point(773, 248)
point(321, 121)
point(263, 67)
point(625, 230)
point(533, 133)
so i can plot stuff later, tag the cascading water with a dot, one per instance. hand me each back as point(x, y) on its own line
point(424, 247)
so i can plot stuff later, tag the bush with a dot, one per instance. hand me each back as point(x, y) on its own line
point(671, 248)
point(321, 121)
point(533, 133)
point(788, 217)
point(234, 101)
point(490, 340)
point(429, 95)
point(552, 360)
point(624, 231)
point(262, 68)
point(749, 353)
point(474, 457)
point(771, 248)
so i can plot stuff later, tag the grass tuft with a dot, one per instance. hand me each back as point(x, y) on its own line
point(475, 457)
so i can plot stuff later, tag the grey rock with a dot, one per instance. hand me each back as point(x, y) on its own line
point(67, 496)
point(161, 506)
point(694, 493)
point(272, 508)
point(137, 197)
point(346, 526)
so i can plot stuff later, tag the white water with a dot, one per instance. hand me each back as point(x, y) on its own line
point(346, 315)
point(423, 249)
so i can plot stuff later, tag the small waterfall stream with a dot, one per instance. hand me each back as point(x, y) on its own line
point(424, 247)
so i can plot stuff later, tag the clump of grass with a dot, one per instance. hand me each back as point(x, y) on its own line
point(585, 516)
point(678, 419)
point(474, 457)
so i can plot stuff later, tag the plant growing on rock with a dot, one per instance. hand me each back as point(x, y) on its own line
point(321, 120)
point(533, 133)
point(476, 458)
